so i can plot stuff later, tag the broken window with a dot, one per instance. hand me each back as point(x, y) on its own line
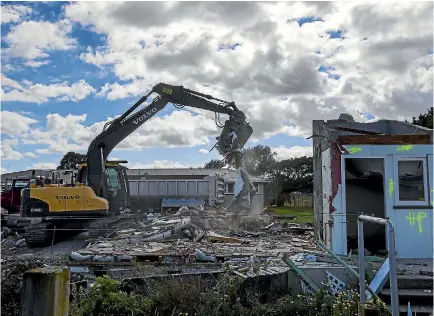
point(411, 182)
point(229, 188)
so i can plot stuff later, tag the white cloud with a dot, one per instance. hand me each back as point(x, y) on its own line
point(14, 124)
point(3, 170)
point(157, 164)
point(258, 56)
point(7, 82)
point(7, 150)
point(36, 64)
point(39, 93)
point(203, 151)
point(272, 75)
point(44, 165)
point(292, 152)
point(14, 13)
point(71, 133)
point(34, 39)
point(30, 155)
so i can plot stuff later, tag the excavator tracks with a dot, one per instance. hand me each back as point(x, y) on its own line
point(107, 226)
point(39, 235)
point(101, 228)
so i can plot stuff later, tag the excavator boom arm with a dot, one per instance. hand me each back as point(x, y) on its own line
point(120, 128)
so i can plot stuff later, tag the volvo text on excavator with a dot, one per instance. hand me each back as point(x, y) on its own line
point(101, 190)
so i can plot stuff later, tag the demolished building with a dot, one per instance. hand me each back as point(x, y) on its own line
point(383, 169)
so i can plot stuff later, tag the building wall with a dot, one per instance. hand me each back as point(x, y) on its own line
point(327, 191)
point(413, 222)
point(257, 201)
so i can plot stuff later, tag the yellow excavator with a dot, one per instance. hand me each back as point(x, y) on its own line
point(101, 192)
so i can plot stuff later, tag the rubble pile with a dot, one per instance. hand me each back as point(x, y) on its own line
point(11, 240)
point(195, 238)
point(189, 241)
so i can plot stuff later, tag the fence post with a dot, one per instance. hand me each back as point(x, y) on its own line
point(45, 292)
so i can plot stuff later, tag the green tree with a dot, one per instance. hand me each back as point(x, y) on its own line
point(424, 120)
point(214, 164)
point(295, 174)
point(259, 161)
point(71, 160)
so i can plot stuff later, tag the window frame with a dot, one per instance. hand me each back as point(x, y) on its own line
point(424, 161)
point(257, 187)
point(227, 186)
point(118, 180)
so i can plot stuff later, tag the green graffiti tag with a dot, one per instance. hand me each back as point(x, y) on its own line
point(353, 150)
point(412, 219)
point(391, 186)
point(404, 148)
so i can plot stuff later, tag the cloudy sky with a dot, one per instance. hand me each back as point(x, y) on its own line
point(67, 68)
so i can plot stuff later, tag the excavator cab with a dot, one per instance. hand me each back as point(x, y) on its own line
point(116, 184)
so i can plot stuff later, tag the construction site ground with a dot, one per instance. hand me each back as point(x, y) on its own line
point(207, 241)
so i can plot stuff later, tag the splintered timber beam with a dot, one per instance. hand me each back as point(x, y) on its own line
point(384, 139)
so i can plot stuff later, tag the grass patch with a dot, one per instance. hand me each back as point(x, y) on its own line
point(303, 215)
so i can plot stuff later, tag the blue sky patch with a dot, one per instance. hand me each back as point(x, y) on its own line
point(228, 46)
point(306, 19)
point(328, 71)
point(336, 34)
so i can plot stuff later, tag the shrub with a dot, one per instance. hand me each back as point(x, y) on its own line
point(229, 297)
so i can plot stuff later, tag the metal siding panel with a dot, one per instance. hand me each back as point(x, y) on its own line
point(414, 233)
point(161, 188)
point(152, 189)
point(389, 197)
point(191, 188)
point(404, 150)
point(358, 150)
point(143, 187)
point(430, 183)
point(171, 187)
point(414, 228)
point(203, 187)
point(182, 188)
point(134, 187)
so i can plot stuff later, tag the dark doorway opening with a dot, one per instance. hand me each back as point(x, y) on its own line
point(364, 188)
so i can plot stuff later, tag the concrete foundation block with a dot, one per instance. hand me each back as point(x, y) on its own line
point(45, 292)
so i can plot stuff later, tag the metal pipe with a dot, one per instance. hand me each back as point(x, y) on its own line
point(377, 220)
point(392, 259)
point(361, 244)
point(393, 268)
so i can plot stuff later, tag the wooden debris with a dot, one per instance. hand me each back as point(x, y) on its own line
point(213, 237)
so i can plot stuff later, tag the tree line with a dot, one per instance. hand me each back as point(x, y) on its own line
point(283, 176)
